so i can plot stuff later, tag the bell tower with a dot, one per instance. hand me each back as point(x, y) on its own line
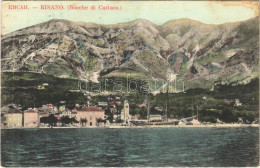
point(126, 111)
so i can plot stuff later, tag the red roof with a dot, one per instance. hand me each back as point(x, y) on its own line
point(90, 108)
point(30, 111)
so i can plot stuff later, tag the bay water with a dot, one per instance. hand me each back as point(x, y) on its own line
point(152, 147)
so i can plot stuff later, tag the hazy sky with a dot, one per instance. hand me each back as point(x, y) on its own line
point(155, 11)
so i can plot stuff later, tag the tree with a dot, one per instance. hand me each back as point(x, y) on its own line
point(227, 115)
point(66, 120)
point(73, 120)
point(83, 121)
point(44, 120)
point(100, 120)
point(119, 108)
point(52, 120)
point(109, 115)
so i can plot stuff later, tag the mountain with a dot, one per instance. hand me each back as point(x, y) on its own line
point(200, 54)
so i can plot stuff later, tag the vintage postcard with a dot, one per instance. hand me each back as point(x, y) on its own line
point(130, 84)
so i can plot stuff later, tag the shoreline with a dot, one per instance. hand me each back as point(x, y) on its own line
point(191, 126)
point(154, 126)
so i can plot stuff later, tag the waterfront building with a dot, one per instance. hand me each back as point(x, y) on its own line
point(14, 118)
point(31, 118)
point(90, 116)
point(4, 111)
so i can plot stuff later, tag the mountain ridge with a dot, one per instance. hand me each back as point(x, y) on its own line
point(199, 53)
point(135, 20)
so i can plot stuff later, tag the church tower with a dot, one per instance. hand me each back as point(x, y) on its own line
point(126, 111)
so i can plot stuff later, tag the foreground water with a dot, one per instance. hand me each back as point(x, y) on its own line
point(131, 147)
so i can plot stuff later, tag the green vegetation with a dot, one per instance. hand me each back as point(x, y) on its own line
point(152, 63)
point(96, 42)
point(51, 120)
point(213, 105)
point(100, 120)
point(60, 68)
point(83, 121)
point(31, 66)
point(27, 79)
point(210, 57)
point(122, 73)
point(184, 68)
point(66, 120)
point(66, 44)
point(141, 111)
point(21, 88)
point(248, 34)
point(89, 60)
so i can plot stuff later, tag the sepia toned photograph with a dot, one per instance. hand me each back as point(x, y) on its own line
point(130, 83)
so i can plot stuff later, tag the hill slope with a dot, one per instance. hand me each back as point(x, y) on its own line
point(202, 55)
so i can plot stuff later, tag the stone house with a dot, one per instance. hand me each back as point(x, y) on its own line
point(31, 118)
point(14, 118)
point(89, 116)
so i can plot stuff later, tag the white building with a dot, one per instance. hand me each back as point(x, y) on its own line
point(125, 112)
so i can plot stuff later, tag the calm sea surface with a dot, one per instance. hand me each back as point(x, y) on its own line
point(131, 147)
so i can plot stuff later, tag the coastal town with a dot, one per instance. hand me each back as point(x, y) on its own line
point(103, 114)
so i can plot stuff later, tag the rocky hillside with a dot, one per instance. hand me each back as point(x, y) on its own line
point(201, 54)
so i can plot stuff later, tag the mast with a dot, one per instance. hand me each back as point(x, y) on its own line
point(148, 108)
point(197, 114)
point(167, 106)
